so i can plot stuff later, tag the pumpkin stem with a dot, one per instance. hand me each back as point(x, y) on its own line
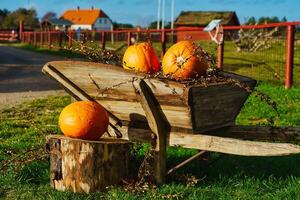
point(180, 61)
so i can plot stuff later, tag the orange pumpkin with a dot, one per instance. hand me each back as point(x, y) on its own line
point(181, 61)
point(84, 119)
point(141, 57)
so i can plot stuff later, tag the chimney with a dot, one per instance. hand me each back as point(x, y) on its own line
point(78, 8)
point(92, 7)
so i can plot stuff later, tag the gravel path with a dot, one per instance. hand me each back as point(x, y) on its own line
point(21, 77)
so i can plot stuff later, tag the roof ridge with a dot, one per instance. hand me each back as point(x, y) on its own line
point(75, 9)
point(83, 16)
point(208, 11)
point(204, 17)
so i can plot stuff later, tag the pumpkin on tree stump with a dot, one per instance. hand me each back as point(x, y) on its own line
point(182, 62)
point(142, 58)
point(84, 120)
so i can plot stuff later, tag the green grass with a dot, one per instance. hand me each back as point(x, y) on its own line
point(256, 111)
point(26, 173)
point(45, 50)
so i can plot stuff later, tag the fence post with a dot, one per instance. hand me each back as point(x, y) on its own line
point(23, 37)
point(84, 39)
point(41, 39)
point(21, 30)
point(220, 55)
point(103, 40)
point(34, 39)
point(163, 43)
point(29, 38)
point(60, 40)
point(70, 39)
point(128, 38)
point(290, 38)
point(49, 40)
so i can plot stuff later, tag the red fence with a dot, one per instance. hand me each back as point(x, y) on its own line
point(8, 35)
point(275, 57)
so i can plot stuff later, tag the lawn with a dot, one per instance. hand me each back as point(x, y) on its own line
point(24, 165)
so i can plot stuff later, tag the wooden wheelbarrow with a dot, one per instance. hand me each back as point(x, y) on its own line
point(169, 113)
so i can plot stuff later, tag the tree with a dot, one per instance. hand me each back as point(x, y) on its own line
point(274, 19)
point(284, 19)
point(4, 12)
point(266, 20)
point(251, 21)
point(122, 25)
point(28, 16)
point(153, 25)
point(49, 15)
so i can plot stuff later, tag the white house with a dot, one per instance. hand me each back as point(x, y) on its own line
point(88, 19)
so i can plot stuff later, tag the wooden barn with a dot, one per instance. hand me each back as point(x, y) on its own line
point(195, 19)
point(55, 24)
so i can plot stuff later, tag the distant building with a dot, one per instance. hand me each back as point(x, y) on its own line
point(55, 24)
point(88, 19)
point(194, 19)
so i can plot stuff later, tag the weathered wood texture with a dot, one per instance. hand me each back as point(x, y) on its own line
point(209, 141)
point(216, 106)
point(87, 166)
point(195, 108)
point(261, 133)
point(159, 126)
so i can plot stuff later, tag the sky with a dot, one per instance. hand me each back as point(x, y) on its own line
point(142, 12)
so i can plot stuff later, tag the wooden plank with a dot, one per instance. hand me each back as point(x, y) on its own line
point(185, 162)
point(223, 102)
point(232, 146)
point(132, 111)
point(115, 82)
point(262, 133)
point(214, 143)
point(159, 127)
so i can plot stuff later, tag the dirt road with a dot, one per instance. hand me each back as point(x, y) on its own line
point(21, 77)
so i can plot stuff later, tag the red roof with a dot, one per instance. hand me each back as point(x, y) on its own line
point(83, 16)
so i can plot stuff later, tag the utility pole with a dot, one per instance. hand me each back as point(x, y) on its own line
point(158, 14)
point(163, 15)
point(172, 14)
point(172, 20)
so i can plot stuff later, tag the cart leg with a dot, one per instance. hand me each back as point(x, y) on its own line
point(159, 127)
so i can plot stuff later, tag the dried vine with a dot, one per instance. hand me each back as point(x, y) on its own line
point(253, 40)
point(95, 53)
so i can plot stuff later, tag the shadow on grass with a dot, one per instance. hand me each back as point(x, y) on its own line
point(225, 167)
point(235, 167)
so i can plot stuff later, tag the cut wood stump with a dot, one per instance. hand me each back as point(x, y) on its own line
point(87, 166)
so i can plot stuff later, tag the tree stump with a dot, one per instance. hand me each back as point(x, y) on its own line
point(87, 166)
